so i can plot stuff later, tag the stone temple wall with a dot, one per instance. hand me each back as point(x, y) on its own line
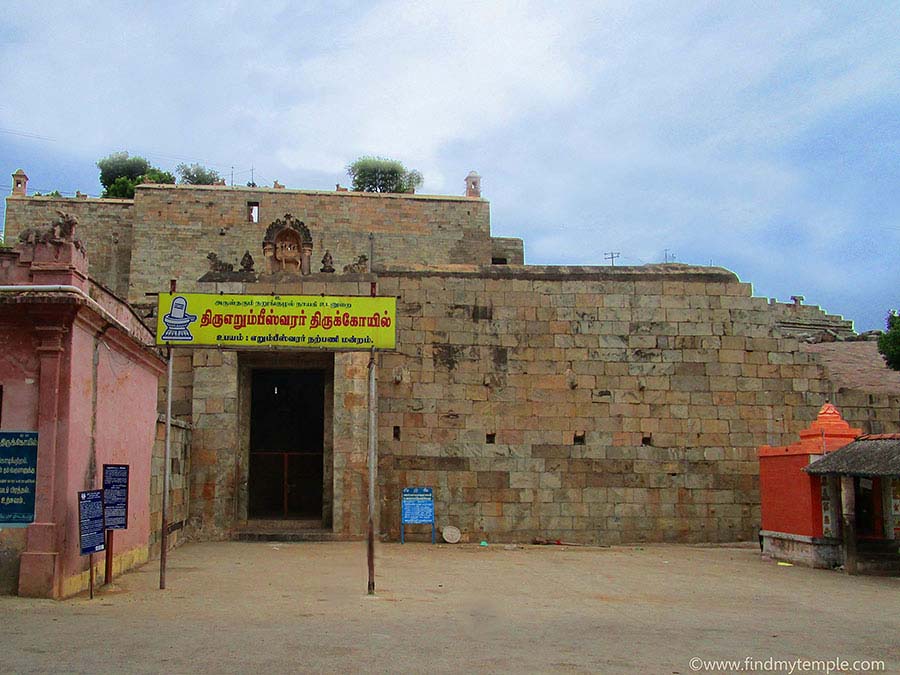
point(104, 225)
point(176, 227)
point(589, 405)
point(586, 404)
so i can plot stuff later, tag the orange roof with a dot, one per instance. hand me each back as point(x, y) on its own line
point(826, 433)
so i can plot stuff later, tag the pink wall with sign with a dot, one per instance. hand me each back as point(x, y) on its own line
point(86, 380)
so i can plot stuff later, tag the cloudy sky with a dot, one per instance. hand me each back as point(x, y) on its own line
point(762, 137)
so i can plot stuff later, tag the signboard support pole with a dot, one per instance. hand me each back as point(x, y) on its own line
point(109, 557)
point(373, 439)
point(91, 574)
point(164, 534)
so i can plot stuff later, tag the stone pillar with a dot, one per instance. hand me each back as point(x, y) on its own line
point(39, 563)
point(887, 507)
point(848, 510)
point(350, 480)
point(834, 506)
point(305, 255)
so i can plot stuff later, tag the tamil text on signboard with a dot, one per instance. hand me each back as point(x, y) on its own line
point(90, 521)
point(18, 477)
point(300, 321)
point(416, 508)
point(115, 496)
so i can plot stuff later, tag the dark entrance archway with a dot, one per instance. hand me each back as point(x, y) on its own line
point(287, 443)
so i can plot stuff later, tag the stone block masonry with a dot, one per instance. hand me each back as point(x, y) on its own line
point(215, 394)
point(105, 225)
point(589, 404)
point(193, 221)
point(179, 481)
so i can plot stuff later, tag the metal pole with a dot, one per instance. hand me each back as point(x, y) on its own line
point(373, 454)
point(164, 535)
point(109, 557)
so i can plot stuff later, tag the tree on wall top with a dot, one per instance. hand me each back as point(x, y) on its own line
point(377, 174)
point(120, 173)
point(196, 174)
point(889, 342)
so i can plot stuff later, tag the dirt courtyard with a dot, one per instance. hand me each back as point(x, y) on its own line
point(280, 607)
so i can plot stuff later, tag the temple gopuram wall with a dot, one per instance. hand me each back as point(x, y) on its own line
point(194, 222)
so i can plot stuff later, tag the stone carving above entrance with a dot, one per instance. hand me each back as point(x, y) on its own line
point(359, 266)
point(216, 265)
point(287, 246)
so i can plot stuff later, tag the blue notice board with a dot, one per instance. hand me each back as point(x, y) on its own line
point(90, 521)
point(115, 496)
point(416, 508)
point(18, 477)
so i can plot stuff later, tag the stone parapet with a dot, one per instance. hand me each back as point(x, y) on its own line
point(197, 221)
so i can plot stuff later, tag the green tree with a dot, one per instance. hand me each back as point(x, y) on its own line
point(195, 174)
point(377, 174)
point(121, 165)
point(889, 342)
point(121, 188)
point(154, 175)
point(120, 173)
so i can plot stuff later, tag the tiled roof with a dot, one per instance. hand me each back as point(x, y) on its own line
point(856, 365)
point(872, 455)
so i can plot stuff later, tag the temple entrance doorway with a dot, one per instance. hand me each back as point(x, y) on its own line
point(289, 443)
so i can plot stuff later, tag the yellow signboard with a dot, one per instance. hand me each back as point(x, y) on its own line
point(299, 321)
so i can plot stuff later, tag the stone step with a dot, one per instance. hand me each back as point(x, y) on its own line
point(294, 535)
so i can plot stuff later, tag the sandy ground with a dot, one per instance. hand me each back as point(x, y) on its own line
point(262, 607)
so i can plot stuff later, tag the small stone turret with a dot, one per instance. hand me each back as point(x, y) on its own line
point(20, 182)
point(473, 185)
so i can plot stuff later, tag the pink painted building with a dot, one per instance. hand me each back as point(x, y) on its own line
point(76, 366)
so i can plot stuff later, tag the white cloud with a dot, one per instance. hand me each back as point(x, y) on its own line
point(597, 127)
point(409, 78)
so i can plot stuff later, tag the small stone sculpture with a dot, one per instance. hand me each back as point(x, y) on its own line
point(327, 263)
point(361, 266)
point(247, 262)
point(59, 231)
point(216, 265)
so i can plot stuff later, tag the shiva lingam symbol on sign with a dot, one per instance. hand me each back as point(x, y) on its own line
point(177, 321)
